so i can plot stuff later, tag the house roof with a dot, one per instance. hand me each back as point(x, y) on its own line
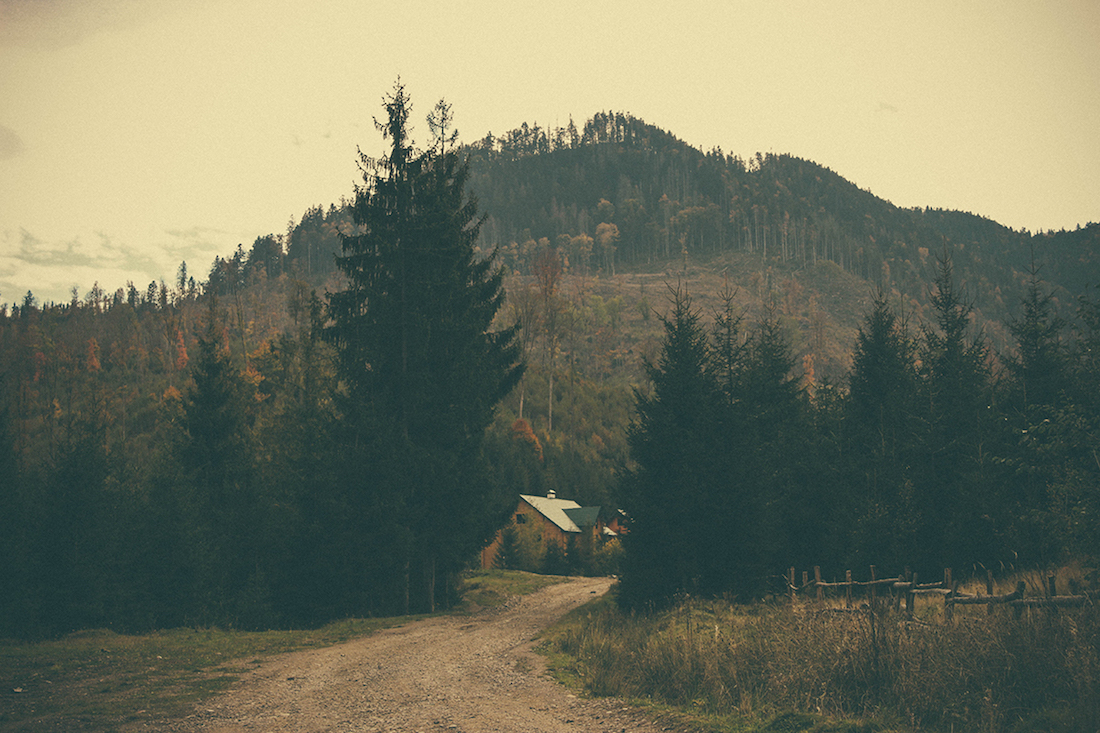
point(554, 510)
point(584, 516)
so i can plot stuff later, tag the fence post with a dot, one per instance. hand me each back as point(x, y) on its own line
point(874, 589)
point(790, 585)
point(948, 599)
point(1051, 586)
point(911, 597)
point(817, 583)
point(897, 592)
point(848, 589)
point(988, 590)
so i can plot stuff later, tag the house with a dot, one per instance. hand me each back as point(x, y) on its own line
point(557, 520)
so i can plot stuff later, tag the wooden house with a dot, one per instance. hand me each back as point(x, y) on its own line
point(558, 520)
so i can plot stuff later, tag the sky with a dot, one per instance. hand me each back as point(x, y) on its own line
point(136, 134)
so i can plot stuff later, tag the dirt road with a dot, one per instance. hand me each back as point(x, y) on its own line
point(470, 675)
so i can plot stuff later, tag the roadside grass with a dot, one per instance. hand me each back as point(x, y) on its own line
point(99, 680)
point(716, 666)
point(489, 588)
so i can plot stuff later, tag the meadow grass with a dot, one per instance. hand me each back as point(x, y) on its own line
point(810, 668)
point(98, 680)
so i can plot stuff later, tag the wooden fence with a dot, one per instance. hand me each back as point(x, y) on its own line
point(893, 591)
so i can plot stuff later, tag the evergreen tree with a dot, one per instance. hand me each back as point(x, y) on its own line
point(953, 491)
point(1039, 368)
point(880, 434)
point(73, 552)
point(507, 553)
point(1038, 387)
point(672, 489)
point(14, 609)
point(221, 516)
point(777, 484)
point(315, 581)
point(1061, 453)
point(423, 367)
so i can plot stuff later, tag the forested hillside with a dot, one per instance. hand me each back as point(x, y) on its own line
point(622, 195)
point(179, 453)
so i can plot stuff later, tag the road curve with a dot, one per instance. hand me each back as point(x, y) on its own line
point(465, 675)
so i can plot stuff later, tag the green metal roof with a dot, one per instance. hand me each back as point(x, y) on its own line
point(584, 516)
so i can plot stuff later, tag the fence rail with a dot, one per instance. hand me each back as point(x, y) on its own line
point(907, 587)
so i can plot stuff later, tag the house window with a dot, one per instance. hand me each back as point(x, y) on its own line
point(521, 519)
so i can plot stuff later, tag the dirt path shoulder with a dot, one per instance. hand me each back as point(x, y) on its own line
point(470, 675)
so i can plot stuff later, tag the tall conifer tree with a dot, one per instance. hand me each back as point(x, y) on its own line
point(674, 484)
point(423, 366)
point(880, 434)
point(221, 514)
point(953, 481)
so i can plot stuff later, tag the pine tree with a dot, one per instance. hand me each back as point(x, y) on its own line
point(416, 347)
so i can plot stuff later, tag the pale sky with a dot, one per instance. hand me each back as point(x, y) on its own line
point(137, 133)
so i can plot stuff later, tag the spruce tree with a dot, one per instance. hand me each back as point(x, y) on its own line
point(220, 517)
point(953, 482)
point(423, 366)
point(773, 460)
point(13, 524)
point(1037, 398)
point(879, 436)
point(1039, 369)
point(670, 494)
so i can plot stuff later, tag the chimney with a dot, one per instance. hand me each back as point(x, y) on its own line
point(551, 494)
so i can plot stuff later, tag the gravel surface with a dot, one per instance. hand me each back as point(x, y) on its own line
point(471, 675)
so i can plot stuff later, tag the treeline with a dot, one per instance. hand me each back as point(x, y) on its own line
point(154, 474)
point(931, 457)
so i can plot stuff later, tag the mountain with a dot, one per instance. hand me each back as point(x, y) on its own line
point(630, 208)
point(622, 196)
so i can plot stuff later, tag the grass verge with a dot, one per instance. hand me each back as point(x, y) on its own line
point(98, 680)
point(489, 588)
point(716, 666)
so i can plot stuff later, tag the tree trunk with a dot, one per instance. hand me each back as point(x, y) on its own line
point(429, 573)
point(405, 599)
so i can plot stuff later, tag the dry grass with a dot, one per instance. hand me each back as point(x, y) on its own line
point(982, 672)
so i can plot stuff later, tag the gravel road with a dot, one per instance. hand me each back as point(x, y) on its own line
point(471, 675)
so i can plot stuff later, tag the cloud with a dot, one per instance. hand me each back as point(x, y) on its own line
point(886, 107)
point(61, 23)
point(51, 268)
point(11, 145)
